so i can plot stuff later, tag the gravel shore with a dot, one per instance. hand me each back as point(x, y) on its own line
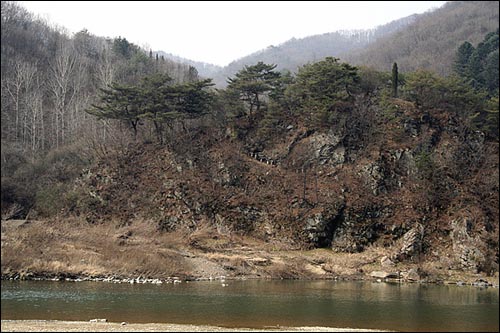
point(83, 326)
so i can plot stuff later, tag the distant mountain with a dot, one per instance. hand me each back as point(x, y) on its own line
point(297, 52)
point(427, 40)
point(432, 40)
point(204, 69)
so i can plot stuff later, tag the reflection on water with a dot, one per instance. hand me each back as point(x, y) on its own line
point(404, 307)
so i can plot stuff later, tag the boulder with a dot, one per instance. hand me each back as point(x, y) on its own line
point(386, 262)
point(411, 243)
point(411, 275)
point(384, 275)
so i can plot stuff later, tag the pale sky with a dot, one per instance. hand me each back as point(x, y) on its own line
point(219, 32)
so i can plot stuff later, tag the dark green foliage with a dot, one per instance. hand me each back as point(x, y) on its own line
point(192, 74)
point(156, 99)
point(253, 83)
point(122, 47)
point(324, 89)
point(120, 102)
point(431, 92)
point(488, 120)
point(371, 81)
point(461, 63)
point(481, 71)
point(491, 70)
point(395, 80)
point(479, 66)
point(193, 99)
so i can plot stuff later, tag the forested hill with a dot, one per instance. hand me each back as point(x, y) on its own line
point(426, 41)
point(119, 162)
point(430, 42)
point(49, 78)
point(297, 52)
point(204, 69)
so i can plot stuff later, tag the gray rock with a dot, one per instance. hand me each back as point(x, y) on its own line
point(327, 148)
point(412, 243)
point(384, 275)
point(411, 275)
point(466, 248)
point(320, 227)
point(374, 177)
point(386, 262)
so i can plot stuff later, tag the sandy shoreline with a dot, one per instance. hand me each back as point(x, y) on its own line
point(83, 326)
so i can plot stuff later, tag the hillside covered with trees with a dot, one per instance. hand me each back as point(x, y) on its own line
point(299, 51)
point(430, 42)
point(420, 41)
point(125, 164)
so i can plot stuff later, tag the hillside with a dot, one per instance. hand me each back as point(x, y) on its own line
point(431, 41)
point(118, 165)
point(296, 52)
point(426, 41)
point(204, 69)
point(394, 187)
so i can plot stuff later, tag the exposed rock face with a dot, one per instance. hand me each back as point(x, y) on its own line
point(386, 262)
point(270, 189)
point(374, 176)
point(412, 243)
point(320, 227)
point(405, 161)
point(412, 127)
point(358, 228)
point(467, 249)
point(327, 148)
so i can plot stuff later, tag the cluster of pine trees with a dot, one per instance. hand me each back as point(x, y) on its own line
point(156, 99)
point(478, 68)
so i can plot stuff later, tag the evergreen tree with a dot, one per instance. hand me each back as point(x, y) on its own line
point(395, 80)
point(491, 71)
point(463, 55)
point(120, 102)
point(155, 99)
point(324, 89)
point(253, 83)
point(192, 74)
point(479, 66)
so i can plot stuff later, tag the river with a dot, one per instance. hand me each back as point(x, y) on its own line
point(260, 304)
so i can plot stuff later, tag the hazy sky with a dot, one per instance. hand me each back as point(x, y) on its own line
point(219, 32)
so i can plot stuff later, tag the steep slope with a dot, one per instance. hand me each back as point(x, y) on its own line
point(431, 41)
point(209, 205)
point(420, 189)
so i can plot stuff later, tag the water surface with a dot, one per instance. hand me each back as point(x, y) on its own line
point(259, 304)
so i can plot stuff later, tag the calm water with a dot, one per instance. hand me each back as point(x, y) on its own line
point(403, 307)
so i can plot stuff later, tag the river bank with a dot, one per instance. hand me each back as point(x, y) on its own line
point(81, 326)
point(74, 251)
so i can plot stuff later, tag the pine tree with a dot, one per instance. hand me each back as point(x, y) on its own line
point(395, 80)
point(254, 82)
point(325, 89)
point(464, 53)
